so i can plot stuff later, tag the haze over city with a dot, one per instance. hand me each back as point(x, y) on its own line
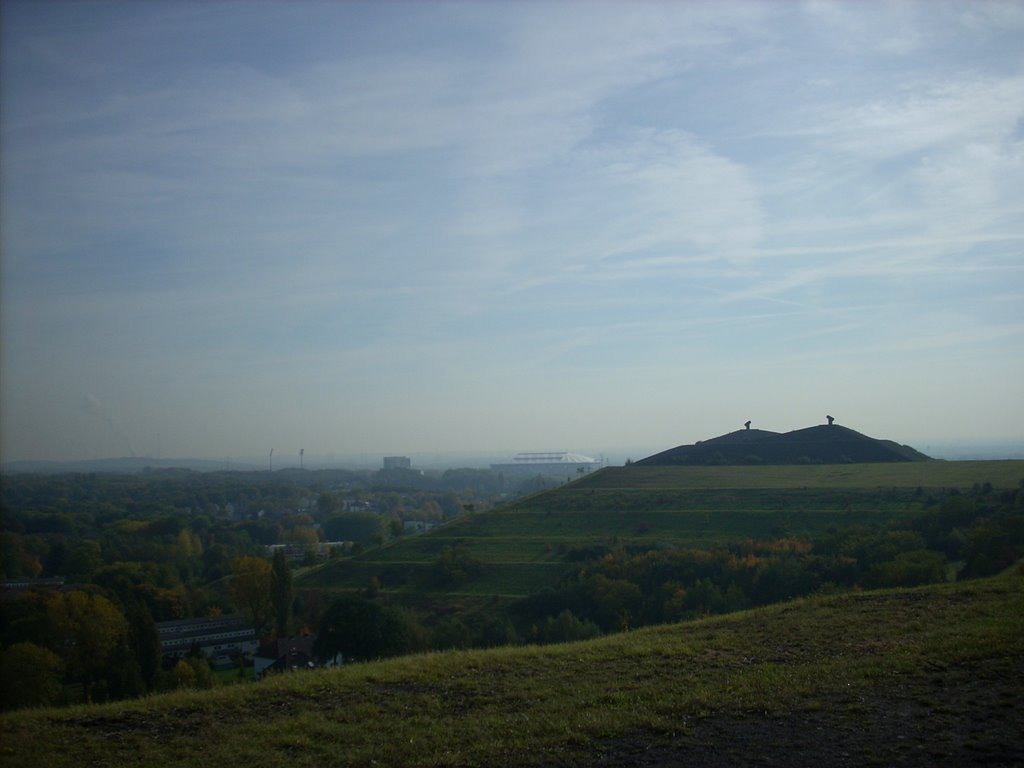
point(455, 227)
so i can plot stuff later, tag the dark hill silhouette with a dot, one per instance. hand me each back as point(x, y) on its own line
point(824, 444)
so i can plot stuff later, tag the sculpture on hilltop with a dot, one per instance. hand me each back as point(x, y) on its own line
point(830, 420)
point(746, 424)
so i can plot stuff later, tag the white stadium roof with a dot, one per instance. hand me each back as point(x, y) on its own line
point(559, 457)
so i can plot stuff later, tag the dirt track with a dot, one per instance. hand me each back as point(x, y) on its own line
point(952, 717)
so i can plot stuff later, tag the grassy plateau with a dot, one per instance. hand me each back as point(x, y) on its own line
point(906, 677)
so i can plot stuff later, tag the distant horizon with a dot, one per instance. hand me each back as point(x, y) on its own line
point(996, 448)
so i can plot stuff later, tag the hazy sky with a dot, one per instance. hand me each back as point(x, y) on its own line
point(416, 227)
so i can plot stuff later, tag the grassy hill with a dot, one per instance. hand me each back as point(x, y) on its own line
point(930, 476)
point(824, 444)
point(529, 544)
point(912, 677)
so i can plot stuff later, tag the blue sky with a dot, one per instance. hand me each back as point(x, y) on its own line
point(363, 227)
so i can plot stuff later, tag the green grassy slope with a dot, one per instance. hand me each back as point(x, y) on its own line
point(928, 474)
point(927, 676)
point(528, 544)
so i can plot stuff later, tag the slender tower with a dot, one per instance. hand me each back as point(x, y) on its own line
point(271, 459)
point(301, 452)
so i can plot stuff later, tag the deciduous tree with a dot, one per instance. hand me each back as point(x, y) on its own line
point(30, 676)
point(85, 629)
point(360, 629)
point(250, 582)
point(360, 527)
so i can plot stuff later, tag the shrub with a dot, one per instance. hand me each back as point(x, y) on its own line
point(566, 628)
point(908, 569)
point(30, 676)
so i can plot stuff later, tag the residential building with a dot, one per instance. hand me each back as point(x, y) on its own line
point(397, 462)
point(289, 654)
point(220, 638)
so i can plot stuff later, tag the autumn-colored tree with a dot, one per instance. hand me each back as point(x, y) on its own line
point(193, 672)
point(250, 582)
point(189, 544)
point(85, 629)
point(184, 675)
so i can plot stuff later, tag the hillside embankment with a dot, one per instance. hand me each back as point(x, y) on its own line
point(932, 675)
point(823, 444)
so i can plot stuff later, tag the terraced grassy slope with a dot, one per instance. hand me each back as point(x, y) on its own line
point(530, 544)
point(914, 677)
point(928, 474)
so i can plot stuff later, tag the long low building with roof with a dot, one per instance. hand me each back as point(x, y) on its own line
point(219, 638)
point(548, 463)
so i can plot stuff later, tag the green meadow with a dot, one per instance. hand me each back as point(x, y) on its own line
point(932, 675)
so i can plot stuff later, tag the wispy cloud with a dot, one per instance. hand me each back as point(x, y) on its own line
point(355, 194)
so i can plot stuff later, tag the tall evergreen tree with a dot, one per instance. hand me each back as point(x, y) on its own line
point(144, 640)
point(281, 592)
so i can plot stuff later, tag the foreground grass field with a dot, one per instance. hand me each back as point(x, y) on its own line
point(926, 676)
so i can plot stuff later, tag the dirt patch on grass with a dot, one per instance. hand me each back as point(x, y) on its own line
point(177, 722)
point(965, 716)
